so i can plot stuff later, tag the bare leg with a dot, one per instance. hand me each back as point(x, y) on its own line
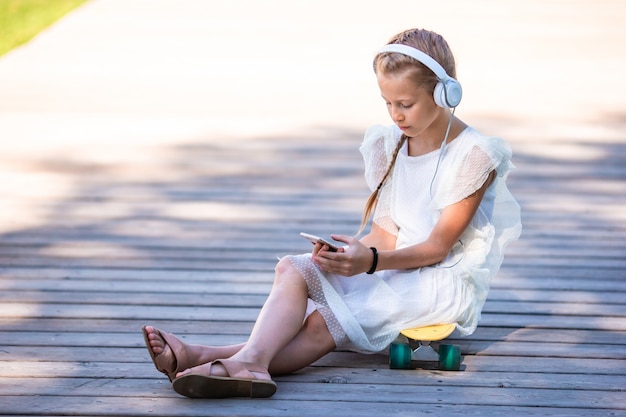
point(310, 344)
point(279, 336)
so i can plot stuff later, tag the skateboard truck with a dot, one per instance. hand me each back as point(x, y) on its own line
point(448, 357)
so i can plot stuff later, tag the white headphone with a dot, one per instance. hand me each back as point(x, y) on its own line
point(448, 91)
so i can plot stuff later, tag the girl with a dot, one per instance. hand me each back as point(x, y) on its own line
point(442, 216)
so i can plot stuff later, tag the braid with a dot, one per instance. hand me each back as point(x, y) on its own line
point(371, 201)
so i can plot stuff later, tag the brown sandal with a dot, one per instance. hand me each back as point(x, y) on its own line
point(239, 383)
point(163, 361)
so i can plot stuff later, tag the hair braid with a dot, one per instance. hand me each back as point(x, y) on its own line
point(371, 201)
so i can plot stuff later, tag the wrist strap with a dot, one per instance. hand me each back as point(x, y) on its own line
point(374, 262)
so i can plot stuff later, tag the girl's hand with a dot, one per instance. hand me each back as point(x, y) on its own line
point(354, 259)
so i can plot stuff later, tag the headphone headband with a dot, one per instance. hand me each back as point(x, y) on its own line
point(422, 57)
point(448, 91)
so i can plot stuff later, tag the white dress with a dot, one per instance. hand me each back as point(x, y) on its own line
point(365, 312)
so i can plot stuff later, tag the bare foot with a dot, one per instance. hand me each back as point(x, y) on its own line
point(157, 344)
point(171, 355)
point(166, 350)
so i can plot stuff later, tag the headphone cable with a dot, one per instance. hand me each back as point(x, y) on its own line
point(441, 151)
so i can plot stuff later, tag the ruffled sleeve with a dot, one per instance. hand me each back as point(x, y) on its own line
point(377, 148)
point(472, 169)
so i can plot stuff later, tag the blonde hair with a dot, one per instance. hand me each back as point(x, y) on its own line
point(437, 48)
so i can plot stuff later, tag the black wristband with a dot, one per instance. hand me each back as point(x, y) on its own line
point(374, 262)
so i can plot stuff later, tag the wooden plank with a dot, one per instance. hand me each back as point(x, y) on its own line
point(126, 386)
point(105, 362)
point(559, 331)
point(584, 279)
point(189, 229)
point(473, 347)
point(215, 298)
point(233, 249)
point(551, 322)
point(249, 313)
point(61, 357)
point(479, 363)
point(120, 279)
point(124, 292)
point(196, 329)
point(364, 393)
point(603, 268)
point(592, 339)
point(86, 311)
point(59, 275)
point(211, 234)
point(122, 256)
point(277, 407)
point(576, 296)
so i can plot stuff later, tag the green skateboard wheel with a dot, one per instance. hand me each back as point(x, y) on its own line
point(449, 357)
point(400, 356)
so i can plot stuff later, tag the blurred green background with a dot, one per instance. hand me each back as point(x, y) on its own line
point(21, 20)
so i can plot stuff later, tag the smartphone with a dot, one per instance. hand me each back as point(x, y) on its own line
point(316, 239)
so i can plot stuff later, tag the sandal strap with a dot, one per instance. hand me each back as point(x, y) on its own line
point(237, 369)
point(178, 355)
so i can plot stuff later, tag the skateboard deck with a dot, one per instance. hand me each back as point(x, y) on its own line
point(429, 333)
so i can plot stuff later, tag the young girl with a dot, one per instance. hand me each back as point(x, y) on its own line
point(442, 216)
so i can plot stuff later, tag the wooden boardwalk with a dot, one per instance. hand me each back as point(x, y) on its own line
point(123, 203)
point(188, 243)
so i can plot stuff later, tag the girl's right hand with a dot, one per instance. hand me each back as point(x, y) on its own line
point(354, 259)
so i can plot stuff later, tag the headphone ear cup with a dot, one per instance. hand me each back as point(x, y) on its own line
point(454, 92)
point(448, 93)
point(440, 95)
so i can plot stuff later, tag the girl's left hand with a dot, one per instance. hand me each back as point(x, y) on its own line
point(356, 258)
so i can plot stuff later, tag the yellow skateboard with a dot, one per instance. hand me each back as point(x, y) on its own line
point(448, 357)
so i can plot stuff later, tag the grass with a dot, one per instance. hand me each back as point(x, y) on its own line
point(22, 20)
